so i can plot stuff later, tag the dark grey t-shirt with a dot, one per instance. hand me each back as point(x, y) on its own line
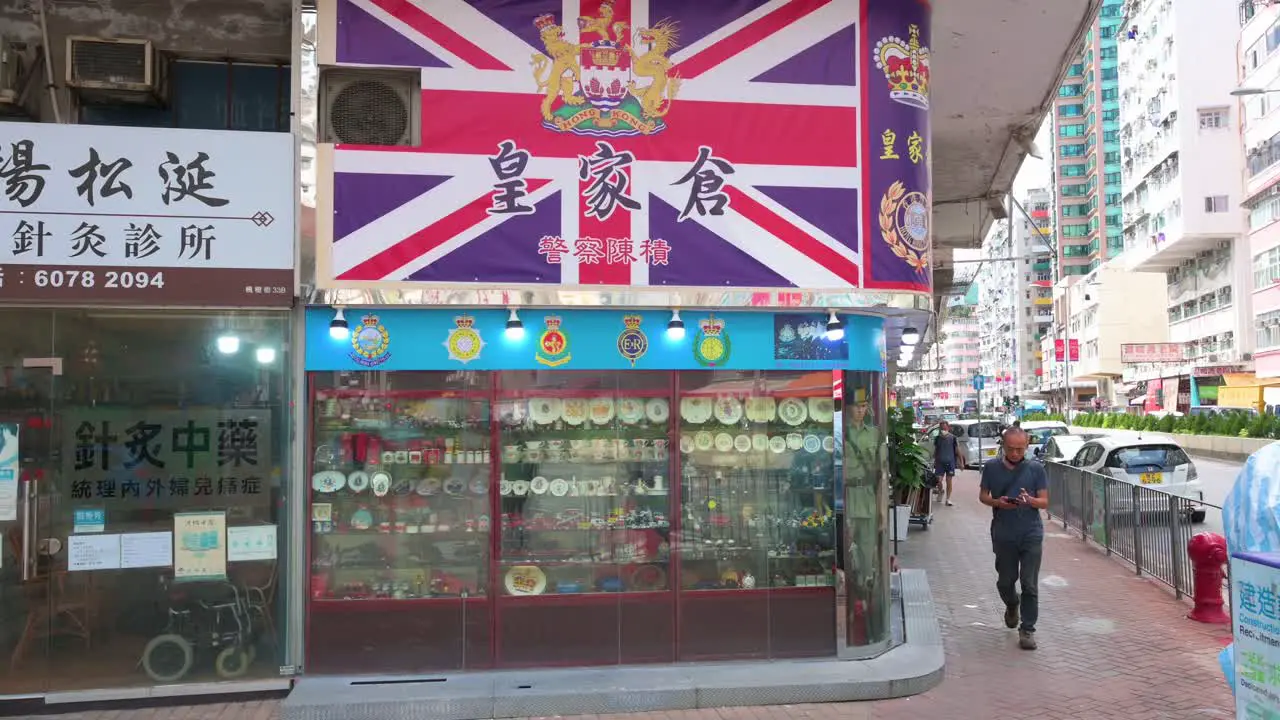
point(944, 448)
point(1022, 522)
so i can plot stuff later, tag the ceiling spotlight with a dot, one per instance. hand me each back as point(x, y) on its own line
point(910, 336)
point(228, 344)
point(338, 327)
point(515, 328)
point(675, 326)
point(835, 327)
point(266, 355)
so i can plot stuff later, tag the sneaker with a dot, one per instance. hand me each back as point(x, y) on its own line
point(1027, 640)
point(1011, 616)
point(949, 503)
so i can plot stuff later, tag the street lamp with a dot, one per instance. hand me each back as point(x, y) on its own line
point(1247, 91)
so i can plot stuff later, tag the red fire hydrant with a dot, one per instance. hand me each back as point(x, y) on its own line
point(1208, 553)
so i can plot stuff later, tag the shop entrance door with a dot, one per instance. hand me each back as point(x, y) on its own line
point(30, 584)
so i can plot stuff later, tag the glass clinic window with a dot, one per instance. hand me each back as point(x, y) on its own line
point(145, 546)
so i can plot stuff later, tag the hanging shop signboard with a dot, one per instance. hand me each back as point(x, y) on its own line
point(649, 143)
point(152, 216)
point(429, 339)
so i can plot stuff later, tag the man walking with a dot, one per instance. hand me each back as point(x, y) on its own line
point(946, 450)
point(1017, 490)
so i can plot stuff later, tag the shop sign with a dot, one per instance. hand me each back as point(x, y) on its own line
point(670, 163)
point(92, 213)
point(425, 339)
point(167, 458)
point(1151, 353)
point(1216, 370)
point(1255, 613)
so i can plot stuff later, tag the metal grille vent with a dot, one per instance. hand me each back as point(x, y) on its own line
point(109, 62)
point(363, 110)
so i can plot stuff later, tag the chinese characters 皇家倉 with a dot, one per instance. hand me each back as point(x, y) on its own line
point(509, 165)
point(606, 170)
point(189, 180)
point(915, 147)
point(23, 182)
point(706, 196)
point(888, 140)
point(94, 169)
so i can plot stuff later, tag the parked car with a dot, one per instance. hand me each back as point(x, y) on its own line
point(1040, 431)
point(1151, 461)
point(969, 434)
point(1061, 448)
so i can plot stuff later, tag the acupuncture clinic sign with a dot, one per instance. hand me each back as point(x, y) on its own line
point(145, 215)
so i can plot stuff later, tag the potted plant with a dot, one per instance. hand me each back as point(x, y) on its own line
point(908, 467)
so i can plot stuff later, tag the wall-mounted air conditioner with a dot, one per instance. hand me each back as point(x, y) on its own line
point(369, 107)
point(116, 70)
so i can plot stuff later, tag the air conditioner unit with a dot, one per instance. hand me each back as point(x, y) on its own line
point(116, 70)
point(10, 76)
point(369, 107)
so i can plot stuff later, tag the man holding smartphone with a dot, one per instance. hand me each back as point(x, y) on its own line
point(1017, 490)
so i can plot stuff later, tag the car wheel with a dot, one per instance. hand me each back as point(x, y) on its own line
point(1197, 516)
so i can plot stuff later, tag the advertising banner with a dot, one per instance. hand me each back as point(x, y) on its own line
point(200, 546)
point(92, 213)
point(1255, 614)
point(422, 339)
point(728, 144)
point(1073, 349)
point(1059, 349)
point(1132, 353)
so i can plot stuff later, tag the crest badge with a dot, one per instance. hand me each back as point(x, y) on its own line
point(553, 345)
point(370, 342)
point(632, 342)
point(904, 225)
point(602, 85)
point(464, 342)
point(905, 65)
point(711, 344)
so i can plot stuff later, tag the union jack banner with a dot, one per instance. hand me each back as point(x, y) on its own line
point(611, 142)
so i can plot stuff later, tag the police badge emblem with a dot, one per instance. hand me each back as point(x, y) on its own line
point(711, 344)
point(632, 342)
point(464, 342)
point(369, 342)
point(553, 345)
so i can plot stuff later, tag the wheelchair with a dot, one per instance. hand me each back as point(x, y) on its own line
point(204, 619)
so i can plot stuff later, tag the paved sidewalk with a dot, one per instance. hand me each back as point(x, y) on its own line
point(1111, 645)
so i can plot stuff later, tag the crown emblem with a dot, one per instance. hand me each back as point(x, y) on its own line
point(369, 321)
point(711, 325)
point(542, 22)
point(906, 66)
point(605, 54)
point(464, 322)
point(553, 322)
point(632, 321)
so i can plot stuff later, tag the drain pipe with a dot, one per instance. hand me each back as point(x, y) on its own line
point(48, 64)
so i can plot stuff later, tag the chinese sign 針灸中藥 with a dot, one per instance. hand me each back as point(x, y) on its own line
point(124, 214)
point(651, 143)
point(1255, 615)
point(168, 458)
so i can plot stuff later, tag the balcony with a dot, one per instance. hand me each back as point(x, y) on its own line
point(1044, 317)
point(1161, 253)
point(1042, 266)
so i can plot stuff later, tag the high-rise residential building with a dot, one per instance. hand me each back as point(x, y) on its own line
point(1016, 297)
point(1182, 191)
point(1086, 151)
point(945, 373)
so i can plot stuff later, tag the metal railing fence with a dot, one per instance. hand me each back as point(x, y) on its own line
point(1145, 526)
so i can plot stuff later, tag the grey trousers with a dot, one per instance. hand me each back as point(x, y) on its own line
point(1019, 562)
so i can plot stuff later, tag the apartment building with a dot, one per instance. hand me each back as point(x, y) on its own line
point(1087, 153)
point(1016, 297)
point(1107, 308)
point(945, 373)
point(1182, 166)
point(1259, 90)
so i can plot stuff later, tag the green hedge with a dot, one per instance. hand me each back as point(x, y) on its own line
point(1231, 424)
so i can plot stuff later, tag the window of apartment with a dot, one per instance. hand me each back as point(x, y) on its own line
point(1263, 155)
point(1070, 91)
point(1076, 70)
point(1112, 157)
point(1267, 329)
point(1076, 150)
point(1213, 118)
point(1071, 170)
point(1108, 52)
point(1076, 130)
point(1076, 190)
point(1215, 204)
point(1111, 136)
point(1264, 209)
point(1075, 211)
point(1076, 231)
point(1111, 93)
point(1111, 115)
point(1072, 110)
point(1266, 268)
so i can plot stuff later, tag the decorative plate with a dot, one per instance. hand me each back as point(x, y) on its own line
point(762, 409)
point(630, 410)
point(328, 481)
point(455, 486)
point(479, 485)
point(657, 411)
point(602, 411)
point(724, 442)
point(516, 412)
point(380, 482)
point(520, 487)
point(795, 441)
point(325, 455)
point(778, 444)
point(504, 487)
point(704, 441)
point(559, 487)
point(361, 519)
point(545, 411)
point(812, 443)
point(760, 442)
point(525, 580)
point(793, 411)
point(728, 410)
point(539, 485)
point(822, 409)
point(574, 411)
point(696, 410)
point(742, 443)
point(829, 444)
point(358, 481)
point(648, 577)
point(686, 444)
point(428, 486)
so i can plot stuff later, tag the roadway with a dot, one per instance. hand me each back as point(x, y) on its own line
point(1218, 476)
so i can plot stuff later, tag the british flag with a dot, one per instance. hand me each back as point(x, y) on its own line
point(740, 170)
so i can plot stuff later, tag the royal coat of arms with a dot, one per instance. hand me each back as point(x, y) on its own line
point(592, 87)
point(906, 65)
point(553, 345)
point(632, 342)
point(904, 224)
point(711, 344)
point(370, 342)
point(464, 342)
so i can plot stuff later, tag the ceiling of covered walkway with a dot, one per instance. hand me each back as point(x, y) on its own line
point(996, 65)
